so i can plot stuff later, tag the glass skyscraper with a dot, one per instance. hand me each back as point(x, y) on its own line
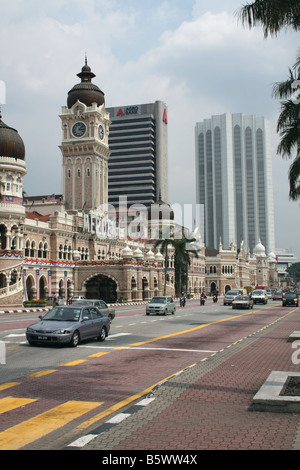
point(234, 189)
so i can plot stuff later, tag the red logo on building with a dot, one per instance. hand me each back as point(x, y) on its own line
point(165, 118)
point(120, 112)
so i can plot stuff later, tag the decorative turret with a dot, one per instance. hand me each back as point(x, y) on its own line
point(85, 91)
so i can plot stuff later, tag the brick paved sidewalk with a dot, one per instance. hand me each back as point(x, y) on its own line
point(208, 406)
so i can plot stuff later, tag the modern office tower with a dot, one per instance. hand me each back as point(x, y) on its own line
point(138, 163)
point(234, 189)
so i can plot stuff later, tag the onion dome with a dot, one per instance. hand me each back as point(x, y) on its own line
point(11, 144)
point(150, 256)
point(138, 254)
point(159, 258)
point(259, 250)
point(85, 91)
point(127, 253)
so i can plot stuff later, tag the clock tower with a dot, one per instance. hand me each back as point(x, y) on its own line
point(84, 147)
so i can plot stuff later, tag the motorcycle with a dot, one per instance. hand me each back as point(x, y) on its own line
point(215, 298)
point(202, 301)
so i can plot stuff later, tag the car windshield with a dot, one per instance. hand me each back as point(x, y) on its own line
point(290, 294)
point(63, 314)
point(232, 292)
point(158, 300)
point(242, 297)
point(258, 292)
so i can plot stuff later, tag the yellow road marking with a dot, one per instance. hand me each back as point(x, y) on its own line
point(119, 405)
point(192, 329)
point(10, 403)
point(99, 354)
point(42, 372)
point(8, 385)
point(74, 363)
point(28, 431)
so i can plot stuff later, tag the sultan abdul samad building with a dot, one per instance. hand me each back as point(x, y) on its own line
point(74, 244)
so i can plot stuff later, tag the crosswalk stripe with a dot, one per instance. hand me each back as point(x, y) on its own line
point(29, 431)
point(10, 403)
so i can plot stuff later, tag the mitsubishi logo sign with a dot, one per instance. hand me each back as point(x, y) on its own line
point(165, 117)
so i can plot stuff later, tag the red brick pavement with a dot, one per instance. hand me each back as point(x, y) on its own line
point(213, 410)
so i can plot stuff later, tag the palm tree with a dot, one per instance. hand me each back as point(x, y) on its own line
point(183, 261)
point(164, 243)
point(273, 15)
point(288, 126)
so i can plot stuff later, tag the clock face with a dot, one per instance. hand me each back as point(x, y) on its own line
point(79, 129)
point(101, 132)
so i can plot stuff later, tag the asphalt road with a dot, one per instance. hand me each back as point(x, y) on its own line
point(50, 395)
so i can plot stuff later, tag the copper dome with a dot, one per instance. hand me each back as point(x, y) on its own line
point(85, 91)
point(11, 144)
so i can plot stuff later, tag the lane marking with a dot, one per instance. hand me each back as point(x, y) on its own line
point(32, 429)
point(74, 363)
point(192, 329)
point(99, 354)
point(8, 385)
point(42, 372)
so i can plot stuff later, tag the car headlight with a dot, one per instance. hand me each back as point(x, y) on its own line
point(61, 332)
point(30, 330)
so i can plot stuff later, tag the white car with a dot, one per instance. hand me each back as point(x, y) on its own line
point(161, 304)
point(259, 296)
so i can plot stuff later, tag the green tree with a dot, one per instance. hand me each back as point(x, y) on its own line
point(288, 126)
point(273, 15)
point(294, 271)
point(163, 244)
point(183, 250)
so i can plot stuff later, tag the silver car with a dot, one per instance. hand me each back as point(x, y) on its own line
point(161, 304)
point(231, 295)
point(69, 325)
point(100, 304)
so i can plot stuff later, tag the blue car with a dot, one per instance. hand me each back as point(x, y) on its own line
point(69, 325)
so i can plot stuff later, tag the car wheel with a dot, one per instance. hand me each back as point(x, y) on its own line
point(102, 335)
point(75, 339)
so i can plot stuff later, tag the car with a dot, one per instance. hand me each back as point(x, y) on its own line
point(100, 304)
point(69, 325)
point(269, 294)
point(161, 304)
point(290, 298)
point(231, 295)
point(51, 301)
point(242, 301)
point(77, 297)
point(259, 296)
point(277, 295)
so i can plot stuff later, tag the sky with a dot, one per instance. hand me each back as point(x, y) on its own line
point(194, 55)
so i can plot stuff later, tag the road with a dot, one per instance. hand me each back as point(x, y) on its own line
point(51, 395)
